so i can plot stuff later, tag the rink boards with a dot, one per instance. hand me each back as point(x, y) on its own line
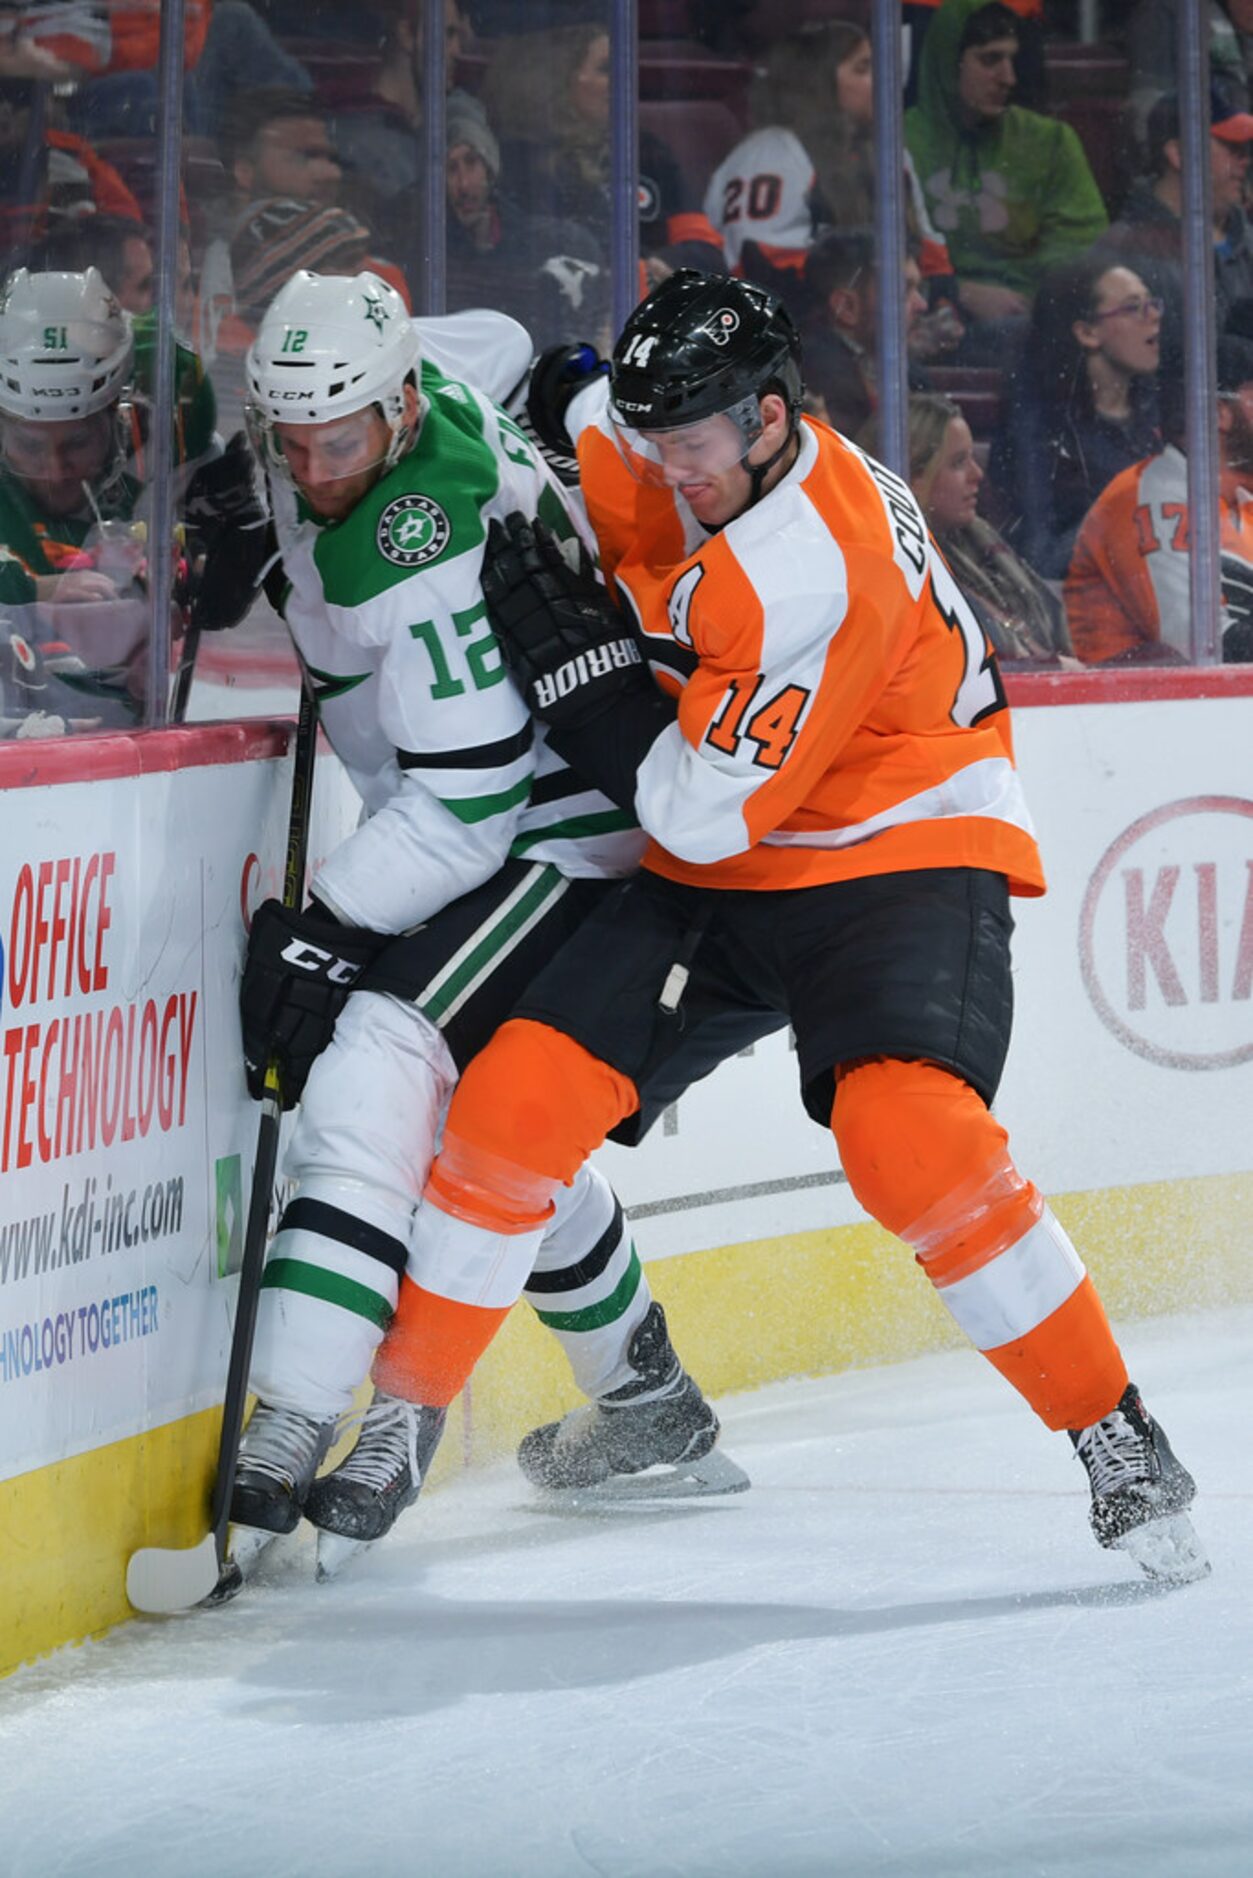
point(126, 871)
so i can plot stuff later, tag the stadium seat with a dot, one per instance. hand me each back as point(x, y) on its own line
point(978, 390)
point(698, 132)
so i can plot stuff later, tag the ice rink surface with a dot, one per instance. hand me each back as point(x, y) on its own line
point(900, 1653)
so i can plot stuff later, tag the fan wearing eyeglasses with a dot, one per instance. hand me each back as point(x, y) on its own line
point(1083, 405)
point(1128, 592)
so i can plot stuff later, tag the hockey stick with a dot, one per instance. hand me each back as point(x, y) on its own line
point(162, 1579)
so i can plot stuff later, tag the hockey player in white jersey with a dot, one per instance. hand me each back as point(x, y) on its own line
point(477, 852)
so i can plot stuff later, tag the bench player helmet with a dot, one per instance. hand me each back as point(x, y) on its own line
point(701, 347)
point(328, 347)
point(66, 353)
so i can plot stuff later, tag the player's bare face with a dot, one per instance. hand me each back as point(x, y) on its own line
point(334, 465)
point(55, 460)
point(954, 493)
point(708, 465)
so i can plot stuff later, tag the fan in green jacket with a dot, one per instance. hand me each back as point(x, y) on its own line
point(1010, 190)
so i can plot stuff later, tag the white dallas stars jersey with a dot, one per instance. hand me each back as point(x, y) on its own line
point(387, 613)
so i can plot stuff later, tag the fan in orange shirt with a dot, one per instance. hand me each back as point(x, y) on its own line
point(836, 827)
point(1128, 590)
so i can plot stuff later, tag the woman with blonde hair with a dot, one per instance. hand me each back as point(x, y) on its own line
point(1020, 614)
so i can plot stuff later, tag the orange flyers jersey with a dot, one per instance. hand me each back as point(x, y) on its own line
point(1128, 581)
point(840, 711)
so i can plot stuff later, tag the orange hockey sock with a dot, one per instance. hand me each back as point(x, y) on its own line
point(926, 1158)
point(432, 1346)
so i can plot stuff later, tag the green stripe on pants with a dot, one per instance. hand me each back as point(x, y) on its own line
point(314, 1282)
point(594, 1315)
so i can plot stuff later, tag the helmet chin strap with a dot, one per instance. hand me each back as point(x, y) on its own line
point(757, 474)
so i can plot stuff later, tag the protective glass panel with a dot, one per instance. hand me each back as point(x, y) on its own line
point(528, 155)
point(77, 337)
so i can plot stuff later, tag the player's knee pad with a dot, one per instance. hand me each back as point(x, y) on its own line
point(537, 1099)
point(374, 1100)
point(909, 1135)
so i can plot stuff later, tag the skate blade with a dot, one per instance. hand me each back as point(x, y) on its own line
point(715, 1474)
point(335, 1551)
point(1167, 1549)
point(247, 1543)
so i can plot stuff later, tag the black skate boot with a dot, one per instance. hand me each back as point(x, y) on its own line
point(1140, 1492)
point(659, 1420)
point(361, 1499)
point(279, 1454)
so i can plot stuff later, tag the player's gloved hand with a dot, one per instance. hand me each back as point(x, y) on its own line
point(557, 376)
point(230, 537)
point(1237, 584)
point(297, 976)
point(570, 650)
point(223, 492)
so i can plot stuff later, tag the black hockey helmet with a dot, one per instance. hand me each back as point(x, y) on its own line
point(702, 344)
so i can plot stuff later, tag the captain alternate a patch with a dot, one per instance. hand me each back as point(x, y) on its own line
point(413, 530)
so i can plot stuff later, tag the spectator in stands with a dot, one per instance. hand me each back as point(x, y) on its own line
point(1153, 47)
point(1021, 616)
point(842, 279)
point(277, 150)
point(1083, 407)
point(1149, 231)
point(1128, 592)
point(547, 94)
point(808, 163)
point(1011, 191)
point(376, 120)
point(49, 175)
point(228, 46)
point(275, 142)
point(546, 273)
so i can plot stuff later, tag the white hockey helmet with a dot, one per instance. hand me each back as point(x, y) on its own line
point(66, 348)
point(329, 346)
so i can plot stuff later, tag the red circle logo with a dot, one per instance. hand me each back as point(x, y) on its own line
point(1166, 934)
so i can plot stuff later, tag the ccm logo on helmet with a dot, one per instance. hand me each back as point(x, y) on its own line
point(720, 325)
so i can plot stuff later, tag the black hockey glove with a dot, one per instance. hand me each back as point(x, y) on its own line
point(1237, 586)
point(230, 536)
point(570, 650)
point(297, 975)
point(573, 656)
point(557, 376)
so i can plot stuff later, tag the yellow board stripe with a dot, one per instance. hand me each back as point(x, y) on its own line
point(744, 1315)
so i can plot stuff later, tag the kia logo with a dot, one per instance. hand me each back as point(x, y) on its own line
point(1166, 934)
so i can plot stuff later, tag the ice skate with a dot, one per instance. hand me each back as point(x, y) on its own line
point(363, 1496)
point(279, 1455)
point(653, 1438)
point(1140, 1493)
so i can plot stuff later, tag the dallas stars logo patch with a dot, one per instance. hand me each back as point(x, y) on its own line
point(413, 530)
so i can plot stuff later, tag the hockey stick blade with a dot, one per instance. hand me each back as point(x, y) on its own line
point(161, 1580)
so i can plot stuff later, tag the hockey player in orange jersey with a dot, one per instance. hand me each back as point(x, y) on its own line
point(837, 825)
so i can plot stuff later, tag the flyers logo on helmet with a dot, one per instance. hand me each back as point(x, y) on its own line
point(720, 325)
